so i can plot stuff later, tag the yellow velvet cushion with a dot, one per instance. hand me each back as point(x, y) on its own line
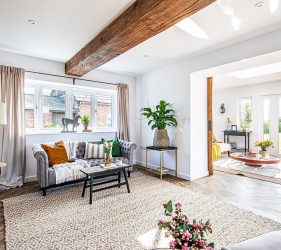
point(56, 154)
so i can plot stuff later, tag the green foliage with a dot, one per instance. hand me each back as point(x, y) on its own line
point(85, 118)
point(107, 147)
point(52, 125)
point(161, 117)
point(266, 127)
point(246, 116)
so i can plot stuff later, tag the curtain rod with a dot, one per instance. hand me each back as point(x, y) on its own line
point(69, 77)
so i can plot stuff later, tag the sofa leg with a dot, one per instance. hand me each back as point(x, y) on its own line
point(228, 152)
point(44, 191)
point(129, 173)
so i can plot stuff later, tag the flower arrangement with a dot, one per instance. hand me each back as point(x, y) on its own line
point(264, 144)
point(187, 234)
point(107, 147)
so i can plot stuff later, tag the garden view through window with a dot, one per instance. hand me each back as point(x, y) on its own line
point(246, 113)
point(47, 104)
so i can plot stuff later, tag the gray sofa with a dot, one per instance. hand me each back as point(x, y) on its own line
point(46, 175)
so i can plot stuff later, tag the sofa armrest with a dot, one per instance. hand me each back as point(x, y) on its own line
point(127, 150)
point(42, 165)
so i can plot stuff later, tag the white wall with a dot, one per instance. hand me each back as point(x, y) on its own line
point(174, 84)
point(230, 97)
point(46, 66)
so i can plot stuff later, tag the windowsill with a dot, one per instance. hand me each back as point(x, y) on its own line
point(50, 132)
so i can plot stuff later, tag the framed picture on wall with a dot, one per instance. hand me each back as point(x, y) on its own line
point(233, 127)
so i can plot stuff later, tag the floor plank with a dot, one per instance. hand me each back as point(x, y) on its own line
point(261, 197)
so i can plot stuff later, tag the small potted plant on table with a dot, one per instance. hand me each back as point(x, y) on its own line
point(264, 146)
point(85, 121)
point(107, 147)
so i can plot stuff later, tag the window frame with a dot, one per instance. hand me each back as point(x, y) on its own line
point(240, 111)
point(70, 90)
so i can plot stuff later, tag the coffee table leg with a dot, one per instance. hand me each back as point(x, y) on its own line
point(85, 184)
point(126, 180)
point(119, 178)
point(91, 189)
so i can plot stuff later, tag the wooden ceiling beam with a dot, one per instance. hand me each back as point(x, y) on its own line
point(141, 21)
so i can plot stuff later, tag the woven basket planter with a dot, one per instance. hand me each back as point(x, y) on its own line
point(161, 139)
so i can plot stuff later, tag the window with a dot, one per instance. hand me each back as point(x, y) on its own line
point(104, 111)
point(82, 104)
point(53, 107)
point(245, 113)
point(47, 103)
point(266, 117)
point(30, 105)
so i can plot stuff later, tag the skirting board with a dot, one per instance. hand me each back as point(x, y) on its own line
point(180, 175)
point(30, 179)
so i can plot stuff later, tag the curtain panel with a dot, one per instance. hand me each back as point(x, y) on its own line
point(123, 112)
point(12, 135)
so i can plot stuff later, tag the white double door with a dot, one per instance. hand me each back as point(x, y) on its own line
point(271, 123)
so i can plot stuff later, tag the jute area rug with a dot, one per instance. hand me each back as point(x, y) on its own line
point(118, 220)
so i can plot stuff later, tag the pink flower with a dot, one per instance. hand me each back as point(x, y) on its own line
point(160, 223)
point(173, 245)
point(186, 235)
point(171, 225)
point(182, 217)
point(184, 247)
point(209, 248)
point(178, 206)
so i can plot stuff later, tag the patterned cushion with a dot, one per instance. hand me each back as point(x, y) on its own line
point(94, 151)
point(80, 150)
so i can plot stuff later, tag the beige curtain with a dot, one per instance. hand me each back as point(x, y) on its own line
point(12, 135)
point(123, 112)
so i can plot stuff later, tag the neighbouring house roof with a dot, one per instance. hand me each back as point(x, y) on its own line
point(57, 103)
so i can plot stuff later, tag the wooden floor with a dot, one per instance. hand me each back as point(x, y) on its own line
point(261, 197)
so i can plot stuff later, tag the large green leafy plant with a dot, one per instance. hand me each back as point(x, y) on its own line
point(161, 117)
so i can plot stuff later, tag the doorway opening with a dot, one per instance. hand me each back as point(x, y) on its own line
point(244, 113)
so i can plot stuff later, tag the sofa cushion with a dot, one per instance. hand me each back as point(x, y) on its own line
point(56, 154)
point(116, 148)
point(80, 150)
point(94, 150)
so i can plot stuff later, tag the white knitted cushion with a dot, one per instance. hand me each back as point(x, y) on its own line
point(94, 151)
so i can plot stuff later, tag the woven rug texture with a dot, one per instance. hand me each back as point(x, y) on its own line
point(118, 220)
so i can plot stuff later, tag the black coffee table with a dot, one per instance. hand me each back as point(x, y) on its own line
point(97, 172)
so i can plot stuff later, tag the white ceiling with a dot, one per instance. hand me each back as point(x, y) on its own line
point(174, 44)
point(228, 81)
point(65, 26)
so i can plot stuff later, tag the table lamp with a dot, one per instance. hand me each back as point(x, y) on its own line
point(3, 121)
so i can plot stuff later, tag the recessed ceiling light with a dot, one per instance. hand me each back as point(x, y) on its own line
point(192, 28)
point(258, 71)
point(259, 4)
point(32, 22)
